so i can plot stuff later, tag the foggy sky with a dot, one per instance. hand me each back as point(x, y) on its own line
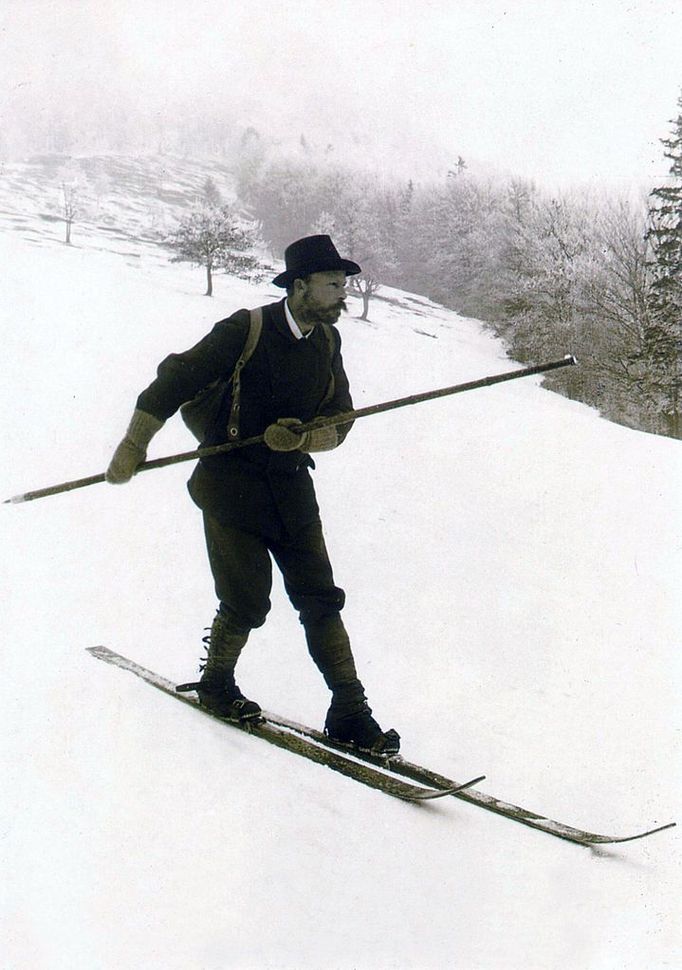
point(549, 89)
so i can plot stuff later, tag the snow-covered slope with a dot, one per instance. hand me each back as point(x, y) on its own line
point(512, 567)
point(116, 196)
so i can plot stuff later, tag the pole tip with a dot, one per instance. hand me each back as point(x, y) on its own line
point(571, 359)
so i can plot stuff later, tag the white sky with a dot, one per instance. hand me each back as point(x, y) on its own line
point(551, 89)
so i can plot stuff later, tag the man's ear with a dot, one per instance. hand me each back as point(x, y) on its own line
point(298, 289)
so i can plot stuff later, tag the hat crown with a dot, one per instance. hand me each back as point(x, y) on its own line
point(313, 254)
point(308, 250)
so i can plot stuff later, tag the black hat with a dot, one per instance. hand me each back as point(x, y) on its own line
point(313, 254)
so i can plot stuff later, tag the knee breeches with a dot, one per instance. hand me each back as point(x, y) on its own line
point(241, 564)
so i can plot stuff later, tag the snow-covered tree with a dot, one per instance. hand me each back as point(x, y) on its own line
point(355, 226)
point(614, 294)
point(215, 238)
point(286, 197)
point(251, 155)
point(455, 240)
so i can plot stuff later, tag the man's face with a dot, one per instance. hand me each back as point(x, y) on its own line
point(322, 297)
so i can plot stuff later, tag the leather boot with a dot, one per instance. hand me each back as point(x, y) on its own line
point(349, 719)
point(217, 689)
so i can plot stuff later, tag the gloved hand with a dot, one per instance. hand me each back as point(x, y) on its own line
point(283, 436)
point(132, 451)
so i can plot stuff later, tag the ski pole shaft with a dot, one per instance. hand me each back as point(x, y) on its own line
point(402, 402)
point(324, 422)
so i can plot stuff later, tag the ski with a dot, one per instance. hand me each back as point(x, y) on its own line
point(315, 746)
point(293, 741)
point(425, 776)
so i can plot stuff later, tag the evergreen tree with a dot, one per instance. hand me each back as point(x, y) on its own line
point(211, 192)
point(663, 336)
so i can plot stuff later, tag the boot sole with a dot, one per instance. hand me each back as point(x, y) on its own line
point(362, 749)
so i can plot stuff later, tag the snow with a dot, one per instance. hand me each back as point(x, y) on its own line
point(512, 567)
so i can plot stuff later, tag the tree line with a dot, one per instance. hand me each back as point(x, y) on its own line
point(593, 274)
point(582, 272)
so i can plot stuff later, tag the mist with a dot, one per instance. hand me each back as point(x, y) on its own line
point(552, 91)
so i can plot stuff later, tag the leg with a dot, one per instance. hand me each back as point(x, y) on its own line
point(242, 572)
point(309, 582)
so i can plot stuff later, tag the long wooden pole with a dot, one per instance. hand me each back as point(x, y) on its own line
point(324, 422)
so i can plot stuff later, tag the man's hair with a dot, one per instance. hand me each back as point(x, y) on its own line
point(290, 287)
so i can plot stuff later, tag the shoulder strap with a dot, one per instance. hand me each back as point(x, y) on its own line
point(331, 386)
point(252, 338)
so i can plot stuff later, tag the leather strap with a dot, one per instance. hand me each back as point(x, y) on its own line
point(255, 327)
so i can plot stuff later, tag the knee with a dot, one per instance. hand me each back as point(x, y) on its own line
point(314, 609)
point(242, 620)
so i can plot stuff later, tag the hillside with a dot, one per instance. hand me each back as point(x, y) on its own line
point(122, 201)
point(511, 563)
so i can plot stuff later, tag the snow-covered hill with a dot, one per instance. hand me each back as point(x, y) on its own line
point(512, 568)
point(123, 204)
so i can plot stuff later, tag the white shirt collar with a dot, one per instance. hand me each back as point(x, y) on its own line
point(293, 326)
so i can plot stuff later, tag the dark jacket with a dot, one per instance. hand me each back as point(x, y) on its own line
point(254, 488)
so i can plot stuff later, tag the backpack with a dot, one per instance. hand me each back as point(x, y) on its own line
point(201, 412)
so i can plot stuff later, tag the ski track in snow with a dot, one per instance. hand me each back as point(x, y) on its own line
point(512, 568)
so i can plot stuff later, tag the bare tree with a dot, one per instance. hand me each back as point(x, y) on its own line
point(70, 206)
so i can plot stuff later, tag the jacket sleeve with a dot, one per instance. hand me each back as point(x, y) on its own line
point(341, 400)
point(180, 377)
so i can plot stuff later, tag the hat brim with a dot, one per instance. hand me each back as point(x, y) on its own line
point(326, 264)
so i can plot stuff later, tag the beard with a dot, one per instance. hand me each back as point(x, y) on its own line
point(312, 311)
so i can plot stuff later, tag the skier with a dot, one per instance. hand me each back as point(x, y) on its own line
point(258, 501)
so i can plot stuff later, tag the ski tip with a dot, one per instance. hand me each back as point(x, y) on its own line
point(469, 784)
point(571, 359)
point(643, 835)
point(427, 794)
point(661, 828)
point(607, 840)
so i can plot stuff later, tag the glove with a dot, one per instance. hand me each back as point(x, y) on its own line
point(283, 436)
point(132, 451)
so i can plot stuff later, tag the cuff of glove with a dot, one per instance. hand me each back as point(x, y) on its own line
point(283, 436)
point(320, 439)
point(142, 428)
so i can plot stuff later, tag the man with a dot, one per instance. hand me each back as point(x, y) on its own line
point(258, 501)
